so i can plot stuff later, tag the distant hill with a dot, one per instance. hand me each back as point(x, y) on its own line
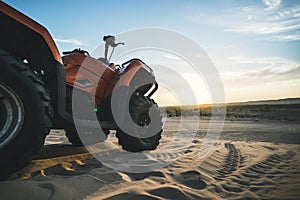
point(269, 102)
point(280, 109)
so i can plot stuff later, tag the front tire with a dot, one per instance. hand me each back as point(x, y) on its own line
point(139, 111)
point(25, 114)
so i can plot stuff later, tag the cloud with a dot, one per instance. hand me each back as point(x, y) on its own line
point(272, 69)
point(287, 13)
point(265, 28)
point(260, 60)
point(276, 74)
point(287, 37)
point(69, 41)
point(282, 23)
point(272, 4)
point(265, 22)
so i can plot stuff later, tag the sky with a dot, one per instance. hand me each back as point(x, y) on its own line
point(253, 44)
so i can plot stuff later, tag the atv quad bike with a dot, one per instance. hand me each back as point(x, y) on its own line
point(36, 87)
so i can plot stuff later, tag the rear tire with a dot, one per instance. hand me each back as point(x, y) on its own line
point(91, 136)
point(25, 114)
point(73, 137)
point(139, 111)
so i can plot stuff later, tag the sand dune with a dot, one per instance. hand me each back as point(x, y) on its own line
point(239, 167)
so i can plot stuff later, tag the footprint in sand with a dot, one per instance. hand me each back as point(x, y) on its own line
point(140, 176)
point(191, 179)
point(131, 197)
point(170, 193)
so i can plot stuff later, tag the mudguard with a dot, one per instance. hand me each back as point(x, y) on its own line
point(33, 25)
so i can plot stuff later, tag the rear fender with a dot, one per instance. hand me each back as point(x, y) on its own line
point(24, 37)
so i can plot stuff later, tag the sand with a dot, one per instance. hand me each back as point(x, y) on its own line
point(251, 160)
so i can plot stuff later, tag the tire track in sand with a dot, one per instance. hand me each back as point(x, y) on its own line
point(233, 160)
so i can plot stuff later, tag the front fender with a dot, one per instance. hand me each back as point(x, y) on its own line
point(136, 76)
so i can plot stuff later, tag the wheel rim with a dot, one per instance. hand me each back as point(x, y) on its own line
point(144, 120)
point(11, 115)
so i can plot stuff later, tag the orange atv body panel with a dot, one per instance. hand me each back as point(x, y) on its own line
point(30, 23)
point(95, 77)
point(87, 74)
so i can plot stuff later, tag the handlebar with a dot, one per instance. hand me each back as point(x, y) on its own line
point(76, 51)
